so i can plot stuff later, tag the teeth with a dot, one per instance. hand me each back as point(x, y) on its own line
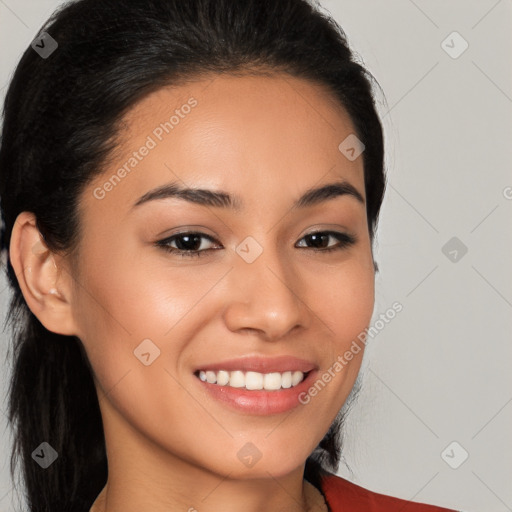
point(236, 379)
point(253, 380)
point(286, 380)
point(222, 378)
point(296, 378)
point(272, 381)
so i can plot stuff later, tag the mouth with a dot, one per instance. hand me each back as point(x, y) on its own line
point(257, 385)
point(246, 393)
point(251, 380)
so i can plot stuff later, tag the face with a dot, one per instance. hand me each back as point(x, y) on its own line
point(243, 286)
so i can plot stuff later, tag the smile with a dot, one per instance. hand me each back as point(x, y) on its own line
point(252, 380)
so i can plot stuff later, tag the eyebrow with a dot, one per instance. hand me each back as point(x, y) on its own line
point(223, 199)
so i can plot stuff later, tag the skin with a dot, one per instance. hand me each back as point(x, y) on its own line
point(170, 446)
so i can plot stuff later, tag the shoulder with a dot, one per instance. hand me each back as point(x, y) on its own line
point(341, 494)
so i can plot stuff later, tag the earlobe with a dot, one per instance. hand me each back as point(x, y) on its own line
point(45, 287)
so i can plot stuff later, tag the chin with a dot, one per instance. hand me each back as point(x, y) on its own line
point(272, 463)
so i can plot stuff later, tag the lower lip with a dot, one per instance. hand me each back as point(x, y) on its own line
point(260, 402)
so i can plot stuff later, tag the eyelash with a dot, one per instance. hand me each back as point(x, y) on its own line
point(345, 240)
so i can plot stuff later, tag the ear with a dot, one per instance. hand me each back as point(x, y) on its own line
point(45, 287)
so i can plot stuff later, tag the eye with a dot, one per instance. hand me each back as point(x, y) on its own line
point(320, 240)
point(188, 244)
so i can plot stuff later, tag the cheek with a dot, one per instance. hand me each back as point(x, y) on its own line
point(353, 304)
point(344, 302)
point(133, 313)
point(139, 295)
point(129, 307)
point(344, 299)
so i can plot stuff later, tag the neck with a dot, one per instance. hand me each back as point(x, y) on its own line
point(142, 476)
point(227, 495)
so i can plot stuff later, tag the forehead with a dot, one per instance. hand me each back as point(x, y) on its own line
point(256, 133)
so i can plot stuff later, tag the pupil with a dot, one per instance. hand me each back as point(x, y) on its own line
point(317, 239)
point(191, 242)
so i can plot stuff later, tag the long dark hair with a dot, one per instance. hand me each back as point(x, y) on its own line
point(61, 117)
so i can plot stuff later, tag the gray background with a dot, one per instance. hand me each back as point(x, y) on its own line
point(439, 372)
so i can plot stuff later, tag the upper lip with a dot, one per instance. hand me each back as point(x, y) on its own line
point(261, 364)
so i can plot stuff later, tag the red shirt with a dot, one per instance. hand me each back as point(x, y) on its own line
point(344, 496)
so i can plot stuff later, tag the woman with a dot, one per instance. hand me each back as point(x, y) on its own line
point(190, 193)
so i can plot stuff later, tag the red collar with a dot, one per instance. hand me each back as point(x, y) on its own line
point(344, 496)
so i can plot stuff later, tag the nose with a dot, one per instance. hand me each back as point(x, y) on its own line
point(266, 296)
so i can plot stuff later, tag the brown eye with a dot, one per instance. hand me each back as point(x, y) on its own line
point(187, 244)
point(319, 240)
